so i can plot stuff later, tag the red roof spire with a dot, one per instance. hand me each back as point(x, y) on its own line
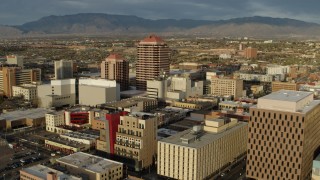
point(152, 38)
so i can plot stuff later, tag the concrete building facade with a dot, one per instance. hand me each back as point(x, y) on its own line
point(153, 58)
point(63, 69)
point(199, 154)
point(277, 86)
point(41, 172)
point(227, 87)
point(92, 166)
point(27, 91)
point(14, 76)
point(16, 60)
point(57, 94)
point(103, 90)
point(116, 68)
point(137, 139)
point(54, 119)
point(283, 136)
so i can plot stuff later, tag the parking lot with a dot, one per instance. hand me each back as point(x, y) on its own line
point(13, 160)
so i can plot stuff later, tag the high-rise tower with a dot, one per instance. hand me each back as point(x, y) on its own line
point(153, 58)
point(284, 131)
point(116, 68)
point(63, 69)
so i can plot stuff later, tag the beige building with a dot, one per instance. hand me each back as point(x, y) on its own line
point(157, 88)
point(227, 87)
point(22, 118)
point(57, 94)
point(283, 136)
point(103, 90)
point(137, 139)
point(27, 91)
point(277, 86)
point(14, 76)
point(16, 60)
point(199, 154)
point(54, 119)
point(93, 166)
point(153, 58)
point(116, 68)
point(41, 172)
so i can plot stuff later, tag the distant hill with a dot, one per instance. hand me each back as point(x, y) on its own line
point(97, 23)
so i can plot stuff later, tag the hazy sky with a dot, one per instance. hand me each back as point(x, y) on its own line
point(15, 12)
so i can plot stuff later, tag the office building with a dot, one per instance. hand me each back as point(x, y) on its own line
point(103, 90)
point(63, 69)
point(116, 68)
point(26, 91)
point(137, 139)
point(15, 60)
point(93, 167)
point(227, 87)
point(250, 53)
point(58, 93)
point(157, 88)
point(54, 119)
point(284, 131)
point(108, 127)
point(14, 76)
point(41, 172)
point(153, 58)
point(277, 85)
point(199, 153)
point(182, 87)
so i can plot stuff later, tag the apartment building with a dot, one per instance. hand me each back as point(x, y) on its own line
point(137, 139)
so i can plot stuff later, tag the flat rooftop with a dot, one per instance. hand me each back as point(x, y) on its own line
point(41, 172)
point(89, 162)
point(286, 95)
point(203, 139)
point(25, 114)
point(127, 102)
point(66, 142)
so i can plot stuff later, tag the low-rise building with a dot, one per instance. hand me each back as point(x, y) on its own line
point(27, 91)
point(134, 104)
point(64, 145)
point(41, 172)
point(92, 166)
point(22, 118)
point(277, 86)
point(199, 154)
point(54, 119)
point(81, 137)
point(316, 168)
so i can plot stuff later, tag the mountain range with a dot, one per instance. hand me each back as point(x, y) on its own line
point(103, 24)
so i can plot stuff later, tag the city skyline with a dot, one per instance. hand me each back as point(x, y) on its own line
point(205, 10)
